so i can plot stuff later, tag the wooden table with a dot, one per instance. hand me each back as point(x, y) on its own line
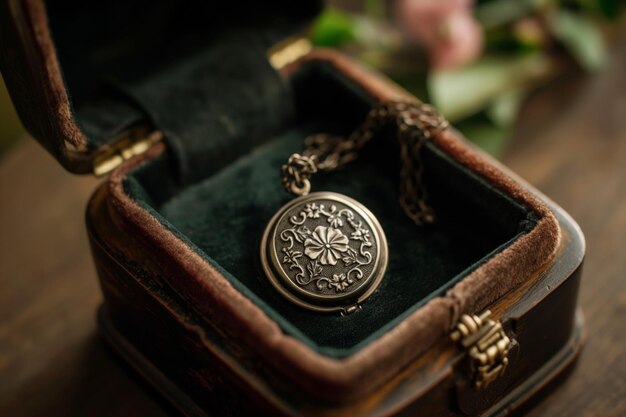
point(570, 143)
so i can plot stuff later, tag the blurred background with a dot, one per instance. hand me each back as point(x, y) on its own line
point(476, 61)
point(10, 127)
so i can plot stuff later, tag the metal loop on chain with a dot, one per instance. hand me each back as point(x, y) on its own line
point(297, 172)
point(302, 188)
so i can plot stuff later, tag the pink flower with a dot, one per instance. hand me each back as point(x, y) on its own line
point(445, 28)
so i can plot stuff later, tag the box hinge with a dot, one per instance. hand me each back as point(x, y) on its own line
point(288, 51)
point(486, 344)
point(123, 150)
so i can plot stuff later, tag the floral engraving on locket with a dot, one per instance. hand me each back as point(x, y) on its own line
point(326, 247)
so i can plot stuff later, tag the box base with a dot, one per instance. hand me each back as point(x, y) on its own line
point(537, 382)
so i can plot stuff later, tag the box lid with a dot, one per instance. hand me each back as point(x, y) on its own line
point(62, 62)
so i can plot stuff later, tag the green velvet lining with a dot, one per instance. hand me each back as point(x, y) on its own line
point(222, 216)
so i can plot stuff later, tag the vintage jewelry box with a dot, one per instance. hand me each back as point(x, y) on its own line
point(178, 104)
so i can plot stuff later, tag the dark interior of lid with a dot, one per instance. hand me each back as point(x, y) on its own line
point(125, 62)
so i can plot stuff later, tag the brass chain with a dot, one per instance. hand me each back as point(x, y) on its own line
point(415, 123)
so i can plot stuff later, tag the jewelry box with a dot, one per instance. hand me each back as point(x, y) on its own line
point(178, 107)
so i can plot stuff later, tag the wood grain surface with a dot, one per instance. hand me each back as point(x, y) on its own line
point(570, 143)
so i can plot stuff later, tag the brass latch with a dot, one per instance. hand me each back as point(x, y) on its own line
point(486, 344)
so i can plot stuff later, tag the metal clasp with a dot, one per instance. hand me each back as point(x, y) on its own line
point(350, 309)
point(486, 344)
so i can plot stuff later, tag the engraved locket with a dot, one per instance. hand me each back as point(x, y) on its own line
point(324, 251)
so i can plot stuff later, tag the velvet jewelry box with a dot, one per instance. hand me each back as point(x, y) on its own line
point(178, 104)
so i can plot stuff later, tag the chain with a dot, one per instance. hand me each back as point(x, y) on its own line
point(415, 123)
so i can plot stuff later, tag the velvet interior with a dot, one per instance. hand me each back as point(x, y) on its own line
point(222, 216)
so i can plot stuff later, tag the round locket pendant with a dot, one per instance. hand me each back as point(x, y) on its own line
point(325, 252)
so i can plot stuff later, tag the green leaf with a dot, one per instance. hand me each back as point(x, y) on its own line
point(582, 37)
point(493, 14)
point(609, 9)
point(503, 111)
point(333, 28)
point(462, 92)
point(490, 137)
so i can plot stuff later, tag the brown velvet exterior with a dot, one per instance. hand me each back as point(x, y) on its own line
point(48, 115)
point(347, 378)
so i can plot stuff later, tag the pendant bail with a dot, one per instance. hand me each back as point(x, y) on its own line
point(296, 174)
